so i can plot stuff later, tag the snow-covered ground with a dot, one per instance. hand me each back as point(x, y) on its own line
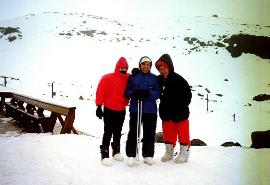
point(43, 159)
point(73, 48)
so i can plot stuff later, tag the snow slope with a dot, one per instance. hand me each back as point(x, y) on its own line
point(74, 50)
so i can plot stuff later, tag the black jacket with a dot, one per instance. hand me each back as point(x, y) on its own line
point(176, 95)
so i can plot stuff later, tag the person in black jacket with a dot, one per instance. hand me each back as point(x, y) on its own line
point(174, 109)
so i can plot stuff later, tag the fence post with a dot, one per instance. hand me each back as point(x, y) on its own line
point(52, 89)
point(207, 101)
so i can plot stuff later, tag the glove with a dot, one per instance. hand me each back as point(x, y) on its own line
point(135, 71)
point(99, 112)
point(141, 93)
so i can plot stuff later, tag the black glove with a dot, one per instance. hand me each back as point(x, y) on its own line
point(99, 112)
point(141, 93)
point(135, 71)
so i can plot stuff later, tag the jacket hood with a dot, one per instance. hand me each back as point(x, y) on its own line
point(167, 59)
point(122, 62)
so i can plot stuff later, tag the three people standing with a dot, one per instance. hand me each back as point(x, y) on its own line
point(143, 88)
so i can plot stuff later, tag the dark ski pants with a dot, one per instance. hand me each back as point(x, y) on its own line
point(149, 124)
point(113, 123)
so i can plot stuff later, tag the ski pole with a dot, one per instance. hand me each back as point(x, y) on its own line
point(139, 129)
point(139, 121)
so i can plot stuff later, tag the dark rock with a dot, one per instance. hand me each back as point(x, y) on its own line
point(237, 44)
point(199, 94)
point(244, 43)
point(9, 30)
point(260, 139)
point(261, 97)
point(230, 143)
point(11, 33)
point(197, 142)
point(11, 38)
point(89, 32)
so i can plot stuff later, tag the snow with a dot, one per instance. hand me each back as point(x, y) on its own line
point(75, 64)
point(74, 159)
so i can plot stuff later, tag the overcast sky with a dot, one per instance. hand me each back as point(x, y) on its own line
point(256, 11)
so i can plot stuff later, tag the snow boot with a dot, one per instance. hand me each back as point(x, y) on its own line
point(148, 160)
point(106, 161)
point(168, 154)
point(183, 154)
point(116, 152)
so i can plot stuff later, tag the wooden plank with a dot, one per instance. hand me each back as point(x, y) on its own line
point(2, 104)
point(63, 123)
point(43, 104)
point(50, 124)
point(68, 122)
point(5, 94)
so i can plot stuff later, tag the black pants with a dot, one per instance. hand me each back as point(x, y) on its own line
point(113, 123)
point(149, 124)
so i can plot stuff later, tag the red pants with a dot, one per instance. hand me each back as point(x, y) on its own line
point(172, 129)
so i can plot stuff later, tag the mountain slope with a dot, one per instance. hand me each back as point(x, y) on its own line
point(74, 50)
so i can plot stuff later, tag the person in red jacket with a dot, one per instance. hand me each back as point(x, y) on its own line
point(110, 95)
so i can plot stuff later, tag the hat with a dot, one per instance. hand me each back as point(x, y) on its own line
point(145, 59)
point(161, 63)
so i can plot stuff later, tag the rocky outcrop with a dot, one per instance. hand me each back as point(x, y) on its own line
point(260, 139)
point(261, 97)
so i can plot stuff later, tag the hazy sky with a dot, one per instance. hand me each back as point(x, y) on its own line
point(252, 10)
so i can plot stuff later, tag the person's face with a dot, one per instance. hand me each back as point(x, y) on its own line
point(123, 70)
point(145, 67)
point(164, 71)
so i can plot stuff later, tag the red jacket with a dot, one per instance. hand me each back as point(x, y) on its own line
point(111, 88)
